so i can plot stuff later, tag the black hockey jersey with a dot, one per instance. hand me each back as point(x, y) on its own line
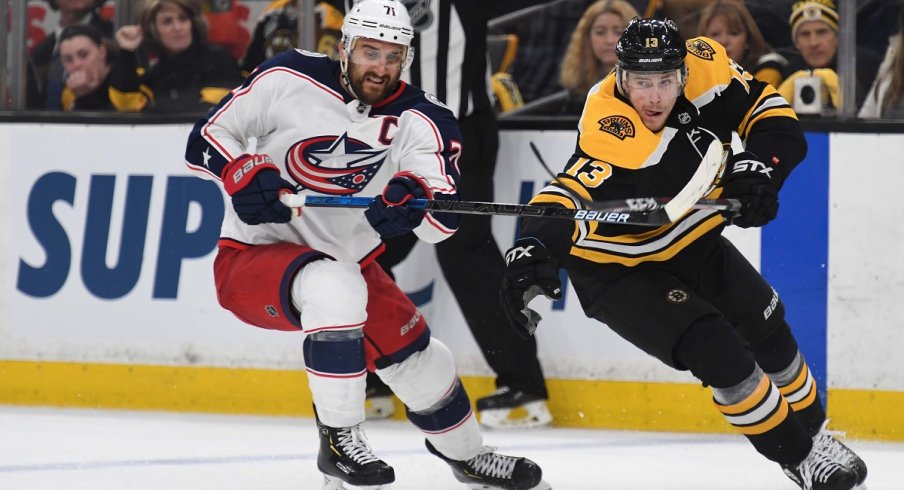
point(617, 157)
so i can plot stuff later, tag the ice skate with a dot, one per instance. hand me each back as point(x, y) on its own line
point(345, 458)
point(828, 443)
point(508, 409)
point(822, 469)
point(490, 470)
point(378, 402)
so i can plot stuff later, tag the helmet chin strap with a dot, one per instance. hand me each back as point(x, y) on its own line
point(343, 67)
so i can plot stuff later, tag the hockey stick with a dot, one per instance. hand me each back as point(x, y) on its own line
point(711, 165)
point(648, 211)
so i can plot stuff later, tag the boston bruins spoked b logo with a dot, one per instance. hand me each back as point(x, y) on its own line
point(677, 296)
point(701, 49)
point(619, 126)
point(336, 165)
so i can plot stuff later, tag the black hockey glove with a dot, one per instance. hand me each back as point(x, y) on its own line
point(530, 271)
point(389, 215)
point(750, 181)
point(254, 184)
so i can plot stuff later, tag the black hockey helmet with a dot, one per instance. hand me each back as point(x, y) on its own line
point(650, 45)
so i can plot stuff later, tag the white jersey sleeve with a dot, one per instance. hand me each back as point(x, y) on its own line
point(427, 149)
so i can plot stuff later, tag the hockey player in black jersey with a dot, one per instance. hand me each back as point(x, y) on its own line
point(681, 292)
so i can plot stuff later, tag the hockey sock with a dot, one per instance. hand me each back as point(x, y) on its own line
point(756, 409)
point(796, 384)
point(780, 358)
point(747, 399)
point(450, 425)
point(335, 365)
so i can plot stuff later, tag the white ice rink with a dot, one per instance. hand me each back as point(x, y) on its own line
point(55, 449)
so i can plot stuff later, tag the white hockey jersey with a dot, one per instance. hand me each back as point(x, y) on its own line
point(328, 143)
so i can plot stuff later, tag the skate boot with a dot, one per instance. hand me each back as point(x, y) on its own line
point(512, 409)
point(489, 470)
point(378, 399)
point(345, 457)
point(822, 469)
point(828, 443)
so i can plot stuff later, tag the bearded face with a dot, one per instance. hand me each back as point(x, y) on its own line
point(374, 69)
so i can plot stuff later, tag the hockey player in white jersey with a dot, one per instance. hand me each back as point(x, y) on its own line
point(343, 128)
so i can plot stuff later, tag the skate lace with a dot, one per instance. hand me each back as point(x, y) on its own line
point(355, 446)
point(491, 464)
point(829, 445)
point(819, 465)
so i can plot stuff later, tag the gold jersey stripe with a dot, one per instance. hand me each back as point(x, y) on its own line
point(663, 254)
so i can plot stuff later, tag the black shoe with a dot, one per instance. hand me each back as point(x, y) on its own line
point(829, 444)
point(821, 470)
point(507, 409)
point(345, 455)
point(494, 470)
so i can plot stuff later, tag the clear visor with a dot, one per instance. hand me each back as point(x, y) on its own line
point(370, 55)
point(665, 84)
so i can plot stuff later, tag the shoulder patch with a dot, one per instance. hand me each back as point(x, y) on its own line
point(619, 126)
point(432, 98)
point(701, 49)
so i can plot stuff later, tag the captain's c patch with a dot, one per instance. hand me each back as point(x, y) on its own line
point(619, 126)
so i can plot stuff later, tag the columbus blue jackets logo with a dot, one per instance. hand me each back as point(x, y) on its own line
point(336, 165)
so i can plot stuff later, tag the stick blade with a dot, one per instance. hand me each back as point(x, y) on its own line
point(699, 184)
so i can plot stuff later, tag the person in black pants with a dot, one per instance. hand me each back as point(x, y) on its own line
point(470, 260)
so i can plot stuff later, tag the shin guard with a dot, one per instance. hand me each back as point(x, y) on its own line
point(435, 400)
point(335, 365)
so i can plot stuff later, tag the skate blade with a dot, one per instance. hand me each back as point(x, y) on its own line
point(379, 407)
point(333, 483)
point(529, 415)
point(540, 486)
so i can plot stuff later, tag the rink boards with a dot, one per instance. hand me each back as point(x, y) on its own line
point(108, 298)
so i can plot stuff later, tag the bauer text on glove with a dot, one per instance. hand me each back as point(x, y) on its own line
point(254, 184)
point(530, 271)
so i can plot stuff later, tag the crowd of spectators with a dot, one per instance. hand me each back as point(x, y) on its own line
point(184, 55)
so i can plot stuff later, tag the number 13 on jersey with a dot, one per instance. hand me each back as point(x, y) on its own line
point(589, 172)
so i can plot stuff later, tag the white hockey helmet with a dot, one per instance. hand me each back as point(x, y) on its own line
point(383, 20)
